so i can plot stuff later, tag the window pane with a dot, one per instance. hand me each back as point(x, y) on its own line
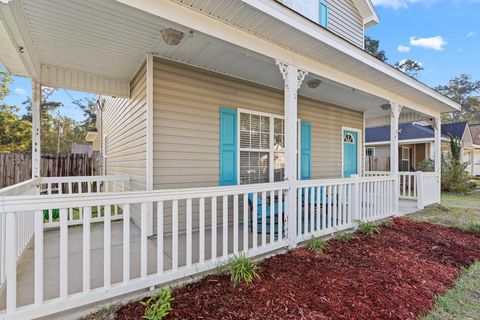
point(254, 123)
point(278, 126)
point(279, 169)
point(265, 141)
point(244, 121)
point(265, 124)
point(255, 140)
point(279, 142)
point(244, 139)
point(253, 167)
point(307, 8)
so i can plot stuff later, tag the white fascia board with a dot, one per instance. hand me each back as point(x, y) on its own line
point(190, 18)
point(409, 141)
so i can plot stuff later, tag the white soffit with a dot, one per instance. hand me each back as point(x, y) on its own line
point(82, 81)
point(9, 54)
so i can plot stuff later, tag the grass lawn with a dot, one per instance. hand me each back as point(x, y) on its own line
point(462, 301)
point(456, 211)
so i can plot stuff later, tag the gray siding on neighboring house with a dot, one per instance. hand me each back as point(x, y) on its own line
point(124, 126)
point(345, 20)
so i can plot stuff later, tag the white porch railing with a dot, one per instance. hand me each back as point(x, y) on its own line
point(408, 182)
point(24, 220)
point(196, 229)
point(419, 186)
point(81, 185)
point(23, 226)
point(328, 206)
point(240, 215)
point(376, 173)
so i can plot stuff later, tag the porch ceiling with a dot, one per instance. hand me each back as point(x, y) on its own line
point(105, 41)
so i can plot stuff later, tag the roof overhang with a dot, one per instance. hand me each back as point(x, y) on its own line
point(406, 141)
point(97, 46)
point(368, 12)
point(91, 136)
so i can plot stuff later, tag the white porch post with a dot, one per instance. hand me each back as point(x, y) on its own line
point(293, 78)
point(36, 147)
point(438, 154)
point(396, 109)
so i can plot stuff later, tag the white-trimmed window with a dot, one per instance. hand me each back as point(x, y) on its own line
point(315, 10)
point(261, 147)
point(405, 159)
point(370, 151)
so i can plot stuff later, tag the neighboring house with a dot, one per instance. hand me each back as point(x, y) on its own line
point(475, 131)
point(93, 138)
point(82, 148)
point(417, 144)
point(225, 126)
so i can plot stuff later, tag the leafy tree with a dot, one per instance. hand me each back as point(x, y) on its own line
point(87, 106)
point(410, 67)
point(15, 133)
point(454, 177)
point(5, 79)
point(465, 91)
point(372, 47)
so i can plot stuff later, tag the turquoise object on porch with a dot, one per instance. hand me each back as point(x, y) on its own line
point(268, 211)
point(350, 153)
point(306, 150)
point(228, 147)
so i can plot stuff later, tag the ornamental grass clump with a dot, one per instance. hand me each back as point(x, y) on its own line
point(316, 244)
point(158, 306)
point(368, 228)
point(344, 236)
point(472, 227)
point(242, 269)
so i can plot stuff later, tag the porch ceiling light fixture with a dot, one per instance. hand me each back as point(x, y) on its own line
point(171, 36)
point(314, 83)
point(386, 106)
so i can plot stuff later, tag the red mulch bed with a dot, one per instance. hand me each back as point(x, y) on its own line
point(392, 275)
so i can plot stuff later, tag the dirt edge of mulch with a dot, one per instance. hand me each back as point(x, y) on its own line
point(395, 274)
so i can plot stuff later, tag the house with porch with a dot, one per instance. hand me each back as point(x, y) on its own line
point(225, 127)
point(417, 145)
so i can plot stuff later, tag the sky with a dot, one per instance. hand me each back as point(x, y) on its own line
point(443, 35)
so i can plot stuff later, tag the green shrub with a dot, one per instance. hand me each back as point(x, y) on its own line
point(316, 244)
point(242, 269)
point(158, 305)
point(472, 227)
point(427, 165)
point(368, 228)
point(344, 236)
point(387, 223)
point(454, 177)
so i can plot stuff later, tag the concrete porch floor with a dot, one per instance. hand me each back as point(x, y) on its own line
point(408, 206)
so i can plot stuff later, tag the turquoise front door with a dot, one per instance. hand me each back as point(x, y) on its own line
point(350, 153)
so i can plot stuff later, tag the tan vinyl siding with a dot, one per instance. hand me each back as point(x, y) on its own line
point(345, 20)
point(186, 128)
point(124, 125)
point(186, 124)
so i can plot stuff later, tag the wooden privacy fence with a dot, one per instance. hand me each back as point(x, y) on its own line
point(17, 167)
point(377, 163)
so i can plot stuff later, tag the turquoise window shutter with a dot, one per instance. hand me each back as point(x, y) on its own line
point(228, 147)
point(323, 14)
point(305, 150)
